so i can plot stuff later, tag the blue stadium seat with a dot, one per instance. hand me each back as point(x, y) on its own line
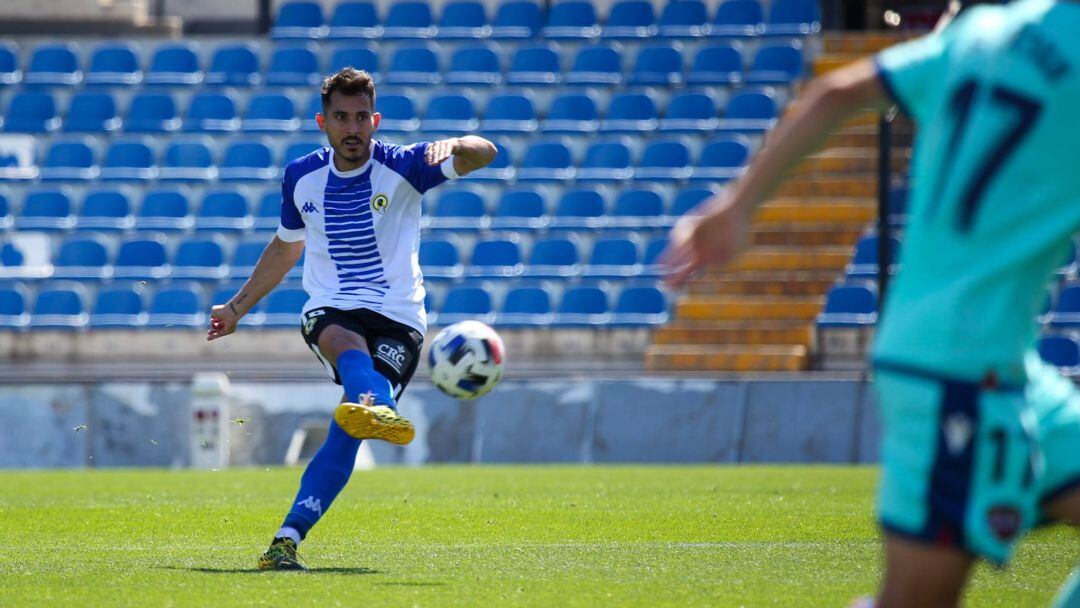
point(520, 209)
point(638, 208)
point(793, 18)
point(82, 258)
point(188, 160)
point(780, 64)
point(5, 213)
point(32, 112)
point(510, 113)
point(129, 160)
point(571, 20)
point(118, 307)
point(640, 306)
point(613, 257)
point(546, 161)
point(605, 161)
point(53, 65)
point(658, 65)
point(141, 258)
point(632, 113)
point(465, 302)
point(738, 19)
point(69, 160)
point(439, 259)
point(583, 306)
point(664, 160)
point(298, 19)
point(684, 19)
point(283, 307)
point(174, 64)
point(499, 170)
point(864, 262)
point(13, 306)
point(360, 56)
point(211, 113)
point(301, 148)
point(114, 64)
point(598, 65)
point(223, 210)
point(525, 306)
point(849, 306)
point(245, 256)
point(716, 65)
point(270, 113)
point(450, 114)
point(517, 20)
point(177, 307)
point(92, 113)
point(463, 20)
point(46, 210)
point(651, 260)
point(408, 21)
point(459, 209)
point(105, 210)
point(580, 208)
point(164, 209)
point(690, 113)
point(494, 258)
point(268, 210)
point(234, 65)
point(415, 65)
point(722, 159)
point(398, 114)
point(572, 113)
point(355, 20)
point(151, 113)
point(686, 200)
point(535, 65)
point(247, 161)
point(554, 257)
point(1060, 350)
point(474, 66)
point(630, 20)
point(1066, 312)
point(293, 67)
point(60, 306)
point(9, 64)
point(749, 112)
point(200, 258)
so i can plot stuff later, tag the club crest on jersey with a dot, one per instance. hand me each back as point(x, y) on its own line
point(380, 202)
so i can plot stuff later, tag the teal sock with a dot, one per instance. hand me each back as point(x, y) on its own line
point(1069, 594)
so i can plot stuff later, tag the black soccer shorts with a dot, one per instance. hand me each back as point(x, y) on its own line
point(394, 347)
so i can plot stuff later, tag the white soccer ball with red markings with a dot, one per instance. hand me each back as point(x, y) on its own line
point(466, 359)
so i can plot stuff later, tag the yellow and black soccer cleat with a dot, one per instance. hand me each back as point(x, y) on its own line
point(374, 422)
point(281, 556)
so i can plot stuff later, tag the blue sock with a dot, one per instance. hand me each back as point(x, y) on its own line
point(358, 376)
point(324, 478)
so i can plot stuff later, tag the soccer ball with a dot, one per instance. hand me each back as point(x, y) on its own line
point(466, 359)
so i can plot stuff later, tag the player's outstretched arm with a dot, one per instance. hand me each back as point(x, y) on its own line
point(470, 152)
point(718, 232)
point(277, 259)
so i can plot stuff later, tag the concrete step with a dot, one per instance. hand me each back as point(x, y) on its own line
point(735, 333)
point(862, 43)
point(792, 258)
point(796, 234)
point(772, 358)
point(849, 211)
point(775, 283)
point(849, 185)
point(847, 161)
point(758, 308)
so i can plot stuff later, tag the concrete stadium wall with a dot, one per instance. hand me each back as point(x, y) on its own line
point(588, 421)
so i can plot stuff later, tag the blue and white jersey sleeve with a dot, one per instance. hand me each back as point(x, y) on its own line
point(292, 226)
point(409, 162)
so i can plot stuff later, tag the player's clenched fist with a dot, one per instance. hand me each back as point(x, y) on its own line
point(438, 151)
point(222, 321)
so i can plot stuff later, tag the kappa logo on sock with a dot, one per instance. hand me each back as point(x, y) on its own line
point(393, 354)
point(312, 503)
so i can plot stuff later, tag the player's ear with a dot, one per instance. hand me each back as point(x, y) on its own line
point(321, 121)
point(375, 119)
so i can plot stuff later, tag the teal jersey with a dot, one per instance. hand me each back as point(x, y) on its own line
point(995, 198)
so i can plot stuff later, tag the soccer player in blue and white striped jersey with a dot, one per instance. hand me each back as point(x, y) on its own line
point(355, 206)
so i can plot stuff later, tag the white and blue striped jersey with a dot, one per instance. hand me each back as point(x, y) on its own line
point(362, 229)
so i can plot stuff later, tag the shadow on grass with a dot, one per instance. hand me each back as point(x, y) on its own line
point(360, 570)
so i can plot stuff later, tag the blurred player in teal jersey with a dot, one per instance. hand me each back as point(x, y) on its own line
point(981, 440)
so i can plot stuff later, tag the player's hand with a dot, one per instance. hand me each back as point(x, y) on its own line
point(714, 237)
point(222, 322)
point(438, 151)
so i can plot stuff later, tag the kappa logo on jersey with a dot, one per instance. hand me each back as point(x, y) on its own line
point(958, 432)
point(309, 207)
point(380, 202)
point(312, 503)
point(393, 354)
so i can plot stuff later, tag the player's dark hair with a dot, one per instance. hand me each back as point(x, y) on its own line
point(348, 81)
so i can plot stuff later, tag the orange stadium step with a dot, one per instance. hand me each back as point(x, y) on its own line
point(732, 308)
point(804, 234)
point(838, 210)
point(772, 358)
point(847, 161)
point(828, 62)
point(792, 258)
point(861, 43)
point(848, 185)
point(794, 283)
point(735, 332)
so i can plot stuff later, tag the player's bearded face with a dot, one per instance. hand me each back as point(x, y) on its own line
point(349, 123)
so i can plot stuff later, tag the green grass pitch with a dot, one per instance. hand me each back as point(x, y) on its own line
point(471, 536)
